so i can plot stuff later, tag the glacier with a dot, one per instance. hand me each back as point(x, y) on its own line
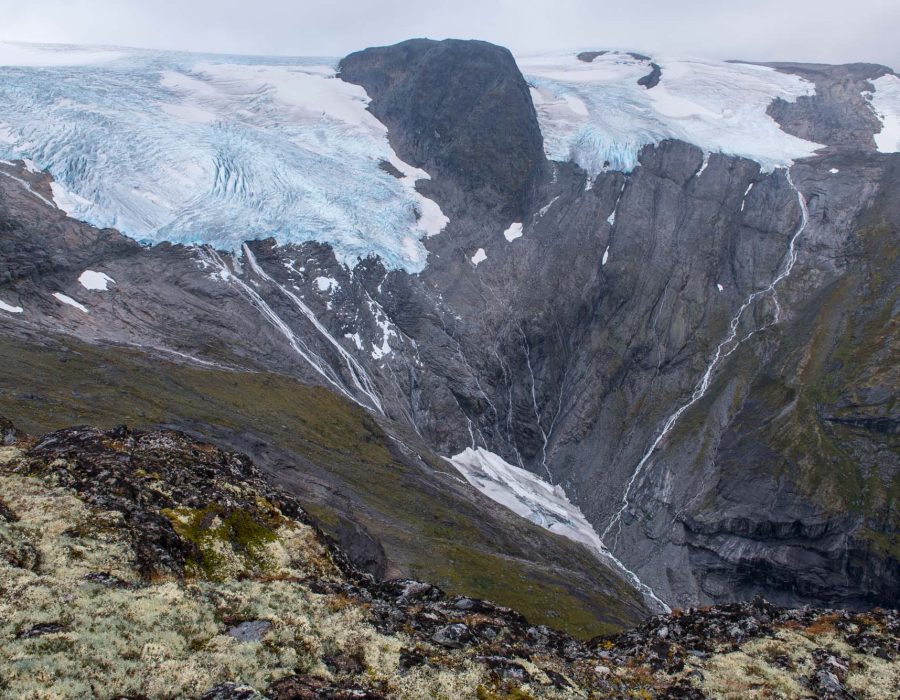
point(208, 149)
point(597, 115)
point(885, 101)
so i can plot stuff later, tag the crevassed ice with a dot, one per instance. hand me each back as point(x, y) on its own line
point(213, 149)
point(597, 115)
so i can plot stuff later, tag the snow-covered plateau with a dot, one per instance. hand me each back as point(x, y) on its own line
point(598, 115)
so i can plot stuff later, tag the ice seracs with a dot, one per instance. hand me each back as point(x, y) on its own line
point(216, 150)
point(597, 115)
point(95, 281)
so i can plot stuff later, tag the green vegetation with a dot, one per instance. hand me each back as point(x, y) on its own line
point(427, 531)
point(213, 532)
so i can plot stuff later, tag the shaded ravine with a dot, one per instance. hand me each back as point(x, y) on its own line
point(723, 350)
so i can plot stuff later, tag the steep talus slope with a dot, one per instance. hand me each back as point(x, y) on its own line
point(146, 564)
point(562, 320)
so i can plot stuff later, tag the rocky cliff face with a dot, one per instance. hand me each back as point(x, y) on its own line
point(701, 353)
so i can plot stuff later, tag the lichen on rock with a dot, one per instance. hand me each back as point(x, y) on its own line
point(146, 564)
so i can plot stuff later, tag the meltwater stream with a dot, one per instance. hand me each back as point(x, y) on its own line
point(724, 349)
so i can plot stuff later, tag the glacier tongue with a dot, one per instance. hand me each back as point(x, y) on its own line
point(597, 115)
point(542, 503)
point(214, 149)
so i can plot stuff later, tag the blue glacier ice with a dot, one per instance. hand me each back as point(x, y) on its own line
point(213, 149)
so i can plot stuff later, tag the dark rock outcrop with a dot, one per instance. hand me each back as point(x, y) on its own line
point(838, 114)
point(461, 111)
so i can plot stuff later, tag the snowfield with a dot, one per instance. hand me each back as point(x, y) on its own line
point(213, 149)
point(513, 232)
point(525, 494)
point(10, 308)
point(597, 115)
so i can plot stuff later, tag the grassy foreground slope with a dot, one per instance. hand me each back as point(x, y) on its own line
point(338, 462)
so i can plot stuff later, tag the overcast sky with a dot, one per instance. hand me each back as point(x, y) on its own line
point(803, 30)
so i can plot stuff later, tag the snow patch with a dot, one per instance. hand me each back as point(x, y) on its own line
point(70, 301)
point(327, 284)
point(479, 257)
point(704, 165)
point(720, 287)
point(605, 256)
point(542, 503)
point(546, 207)
point(512, 233)
point(885, 101)
point(10, 308)
point(384, 323)
point(525, 494)
point(834, 171)
point(357, 341)
point(74, 205)
point(95, 281)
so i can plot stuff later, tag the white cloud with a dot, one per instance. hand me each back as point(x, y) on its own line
point(801, 30)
